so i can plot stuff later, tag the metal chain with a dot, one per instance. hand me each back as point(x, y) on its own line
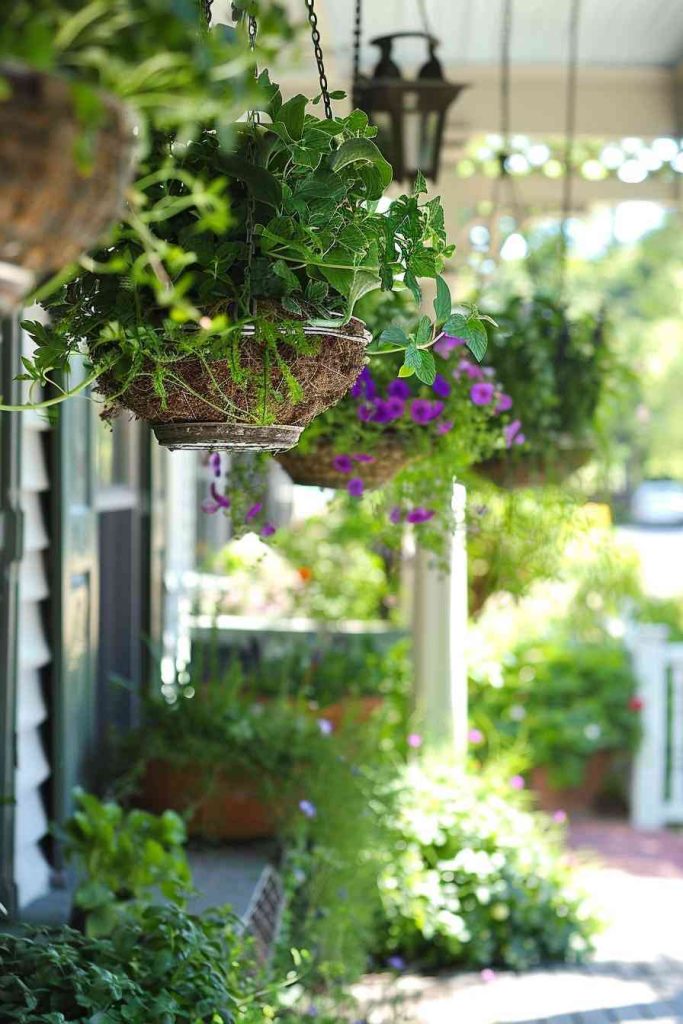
point(253, 119)
point(356, 40)
point(206, 11)
point(315, 36)
point(570, 133)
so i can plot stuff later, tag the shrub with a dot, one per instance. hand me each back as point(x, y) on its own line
point(564, 701)
point(164, 966)
point(476, 880)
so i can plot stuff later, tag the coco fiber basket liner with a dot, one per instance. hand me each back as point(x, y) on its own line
point(316, 468)
point(51, 209)
point(205, 408)
point(524, 469)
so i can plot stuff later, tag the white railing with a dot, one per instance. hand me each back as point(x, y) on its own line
point(657, 782)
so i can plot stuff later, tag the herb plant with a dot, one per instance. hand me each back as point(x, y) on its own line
point(123, 859)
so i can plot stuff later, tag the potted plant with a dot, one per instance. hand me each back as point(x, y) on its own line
point(557, 368)
point(83, 88)
point(570, 705)
point(263, 337)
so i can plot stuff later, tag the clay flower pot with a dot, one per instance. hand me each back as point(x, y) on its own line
point(205, 408)
point(52, 208)
point(221, 806)
point(316, 468)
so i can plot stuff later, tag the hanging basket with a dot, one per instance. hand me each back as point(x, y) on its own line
point(51, 208)
point(205, 408)
point(316, 468)
point(519, 469)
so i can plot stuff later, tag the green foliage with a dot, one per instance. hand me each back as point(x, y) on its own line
point(556, 368)
point(123, 859)
point(164, 965)
point(661, 611)
point(562, 701)
point(476, 880)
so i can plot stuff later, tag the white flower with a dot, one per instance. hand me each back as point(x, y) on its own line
point(592, 731)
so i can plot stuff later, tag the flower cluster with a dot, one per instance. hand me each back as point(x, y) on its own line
point(244, 479)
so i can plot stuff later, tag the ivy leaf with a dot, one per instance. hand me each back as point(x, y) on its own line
point(442, 302)
point(261, 183)
point(394, 335)
point(420, 186)
point(421, 362)
point(362, 151)
point(292, 113)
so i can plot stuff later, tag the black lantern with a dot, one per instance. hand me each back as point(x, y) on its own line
point(409, 113)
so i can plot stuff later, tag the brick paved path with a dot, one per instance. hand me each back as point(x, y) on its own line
point(636, 975)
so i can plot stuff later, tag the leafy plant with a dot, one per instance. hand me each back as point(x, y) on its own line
point(564, 701)
point(557, 368)
point(477, 880)
point(164, 965)
point(123, 860)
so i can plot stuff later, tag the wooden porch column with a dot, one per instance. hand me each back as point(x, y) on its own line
point(439, 629)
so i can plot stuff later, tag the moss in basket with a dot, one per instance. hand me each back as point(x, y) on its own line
point(307, 189)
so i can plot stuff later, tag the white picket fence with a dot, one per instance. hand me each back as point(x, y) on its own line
point(657, 781)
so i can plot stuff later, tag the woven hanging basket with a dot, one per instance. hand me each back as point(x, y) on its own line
point(316, 468)
point(51, 209)
point(522, 469)
point(204, 408)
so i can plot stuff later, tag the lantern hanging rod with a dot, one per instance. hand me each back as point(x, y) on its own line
point(380, 40)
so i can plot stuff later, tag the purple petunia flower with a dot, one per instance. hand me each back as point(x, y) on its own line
point(420, 514)
point(470, 370)
point(559, 817)
point(364, 413)
point(221, 499)
point(355, 487)
point(399, 389)
point(517, 782)
point(482, 393)
point(362, 457)
point(382, 413)
point(423, 411)
point(365, 386)
point(504, 403)
point(445, 427)
point(267, 530)
point(445, 344)
point(210, 507)
point(253, 511)
point(325, 726)
point(215, 463)
point(512, 433)
point(395, 515)
point(475, 736)
point(414, 740)
point(308, 808)
point(394, 408)
point(397, 963)
point(342, 463)
point(441, 387)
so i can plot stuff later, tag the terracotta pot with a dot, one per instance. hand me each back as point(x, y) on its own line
point(225, 807)
point(520, 469)
point(574, 799)
point(350, 710)
point(51, 209)
point(316, 468)
point(206, 408)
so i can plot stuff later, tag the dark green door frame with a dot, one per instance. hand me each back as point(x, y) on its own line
point(11, 550)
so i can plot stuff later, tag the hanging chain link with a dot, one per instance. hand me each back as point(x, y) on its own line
point(315, 36)
point(570, 133)
point(206, 11)
point(356, 40)
point(253, 119)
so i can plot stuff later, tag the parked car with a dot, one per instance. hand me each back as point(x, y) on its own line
point(658, 502)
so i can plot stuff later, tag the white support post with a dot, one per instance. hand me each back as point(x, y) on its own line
point(647, 644)
point(181, 534)
point(439, 636)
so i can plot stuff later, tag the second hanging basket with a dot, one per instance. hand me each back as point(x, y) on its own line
point(316, 468)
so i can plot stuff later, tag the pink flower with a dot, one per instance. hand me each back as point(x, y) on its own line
point(504, 403)
point(253, 511)
point(215, 463)
point(482, 393)
point(517, 782)
point(445, 344)
point(487, 975)
point(469, 369)
point(355, 487)
point(475, 736)
point(559, 817)
point(444, 427)
point(636, 704)
point(513, 433)
point(267, 530)
point(210, 507)
point(221, 500)
point(414, 740)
